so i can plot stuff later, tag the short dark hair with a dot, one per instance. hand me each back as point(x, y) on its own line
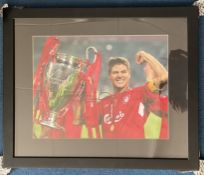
point(117, 60)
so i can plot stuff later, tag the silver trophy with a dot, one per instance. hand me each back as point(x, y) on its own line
point(61, 79)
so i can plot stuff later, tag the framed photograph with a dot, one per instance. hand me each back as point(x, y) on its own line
point(101, 87)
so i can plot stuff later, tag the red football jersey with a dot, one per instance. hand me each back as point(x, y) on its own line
point(123, 114)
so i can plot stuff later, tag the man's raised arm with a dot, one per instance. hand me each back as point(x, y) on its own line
point(160, 73)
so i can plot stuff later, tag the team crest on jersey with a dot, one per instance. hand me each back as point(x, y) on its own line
point(126, 99)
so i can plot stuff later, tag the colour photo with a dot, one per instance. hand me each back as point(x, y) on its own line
point(100, 87)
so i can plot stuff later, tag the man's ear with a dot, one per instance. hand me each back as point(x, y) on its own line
point(129, 74)
point(109, 77)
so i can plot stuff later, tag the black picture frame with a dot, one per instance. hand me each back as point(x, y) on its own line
point(10, 160)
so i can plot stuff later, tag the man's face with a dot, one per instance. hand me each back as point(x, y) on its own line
point(120, 76)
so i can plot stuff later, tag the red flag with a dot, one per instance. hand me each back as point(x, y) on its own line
point(92, 79)
point(48, 53)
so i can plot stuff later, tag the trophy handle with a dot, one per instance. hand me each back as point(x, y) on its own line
point(87, 52)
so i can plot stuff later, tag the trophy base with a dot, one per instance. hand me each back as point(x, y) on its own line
point(77, 122)
point(51, 124)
